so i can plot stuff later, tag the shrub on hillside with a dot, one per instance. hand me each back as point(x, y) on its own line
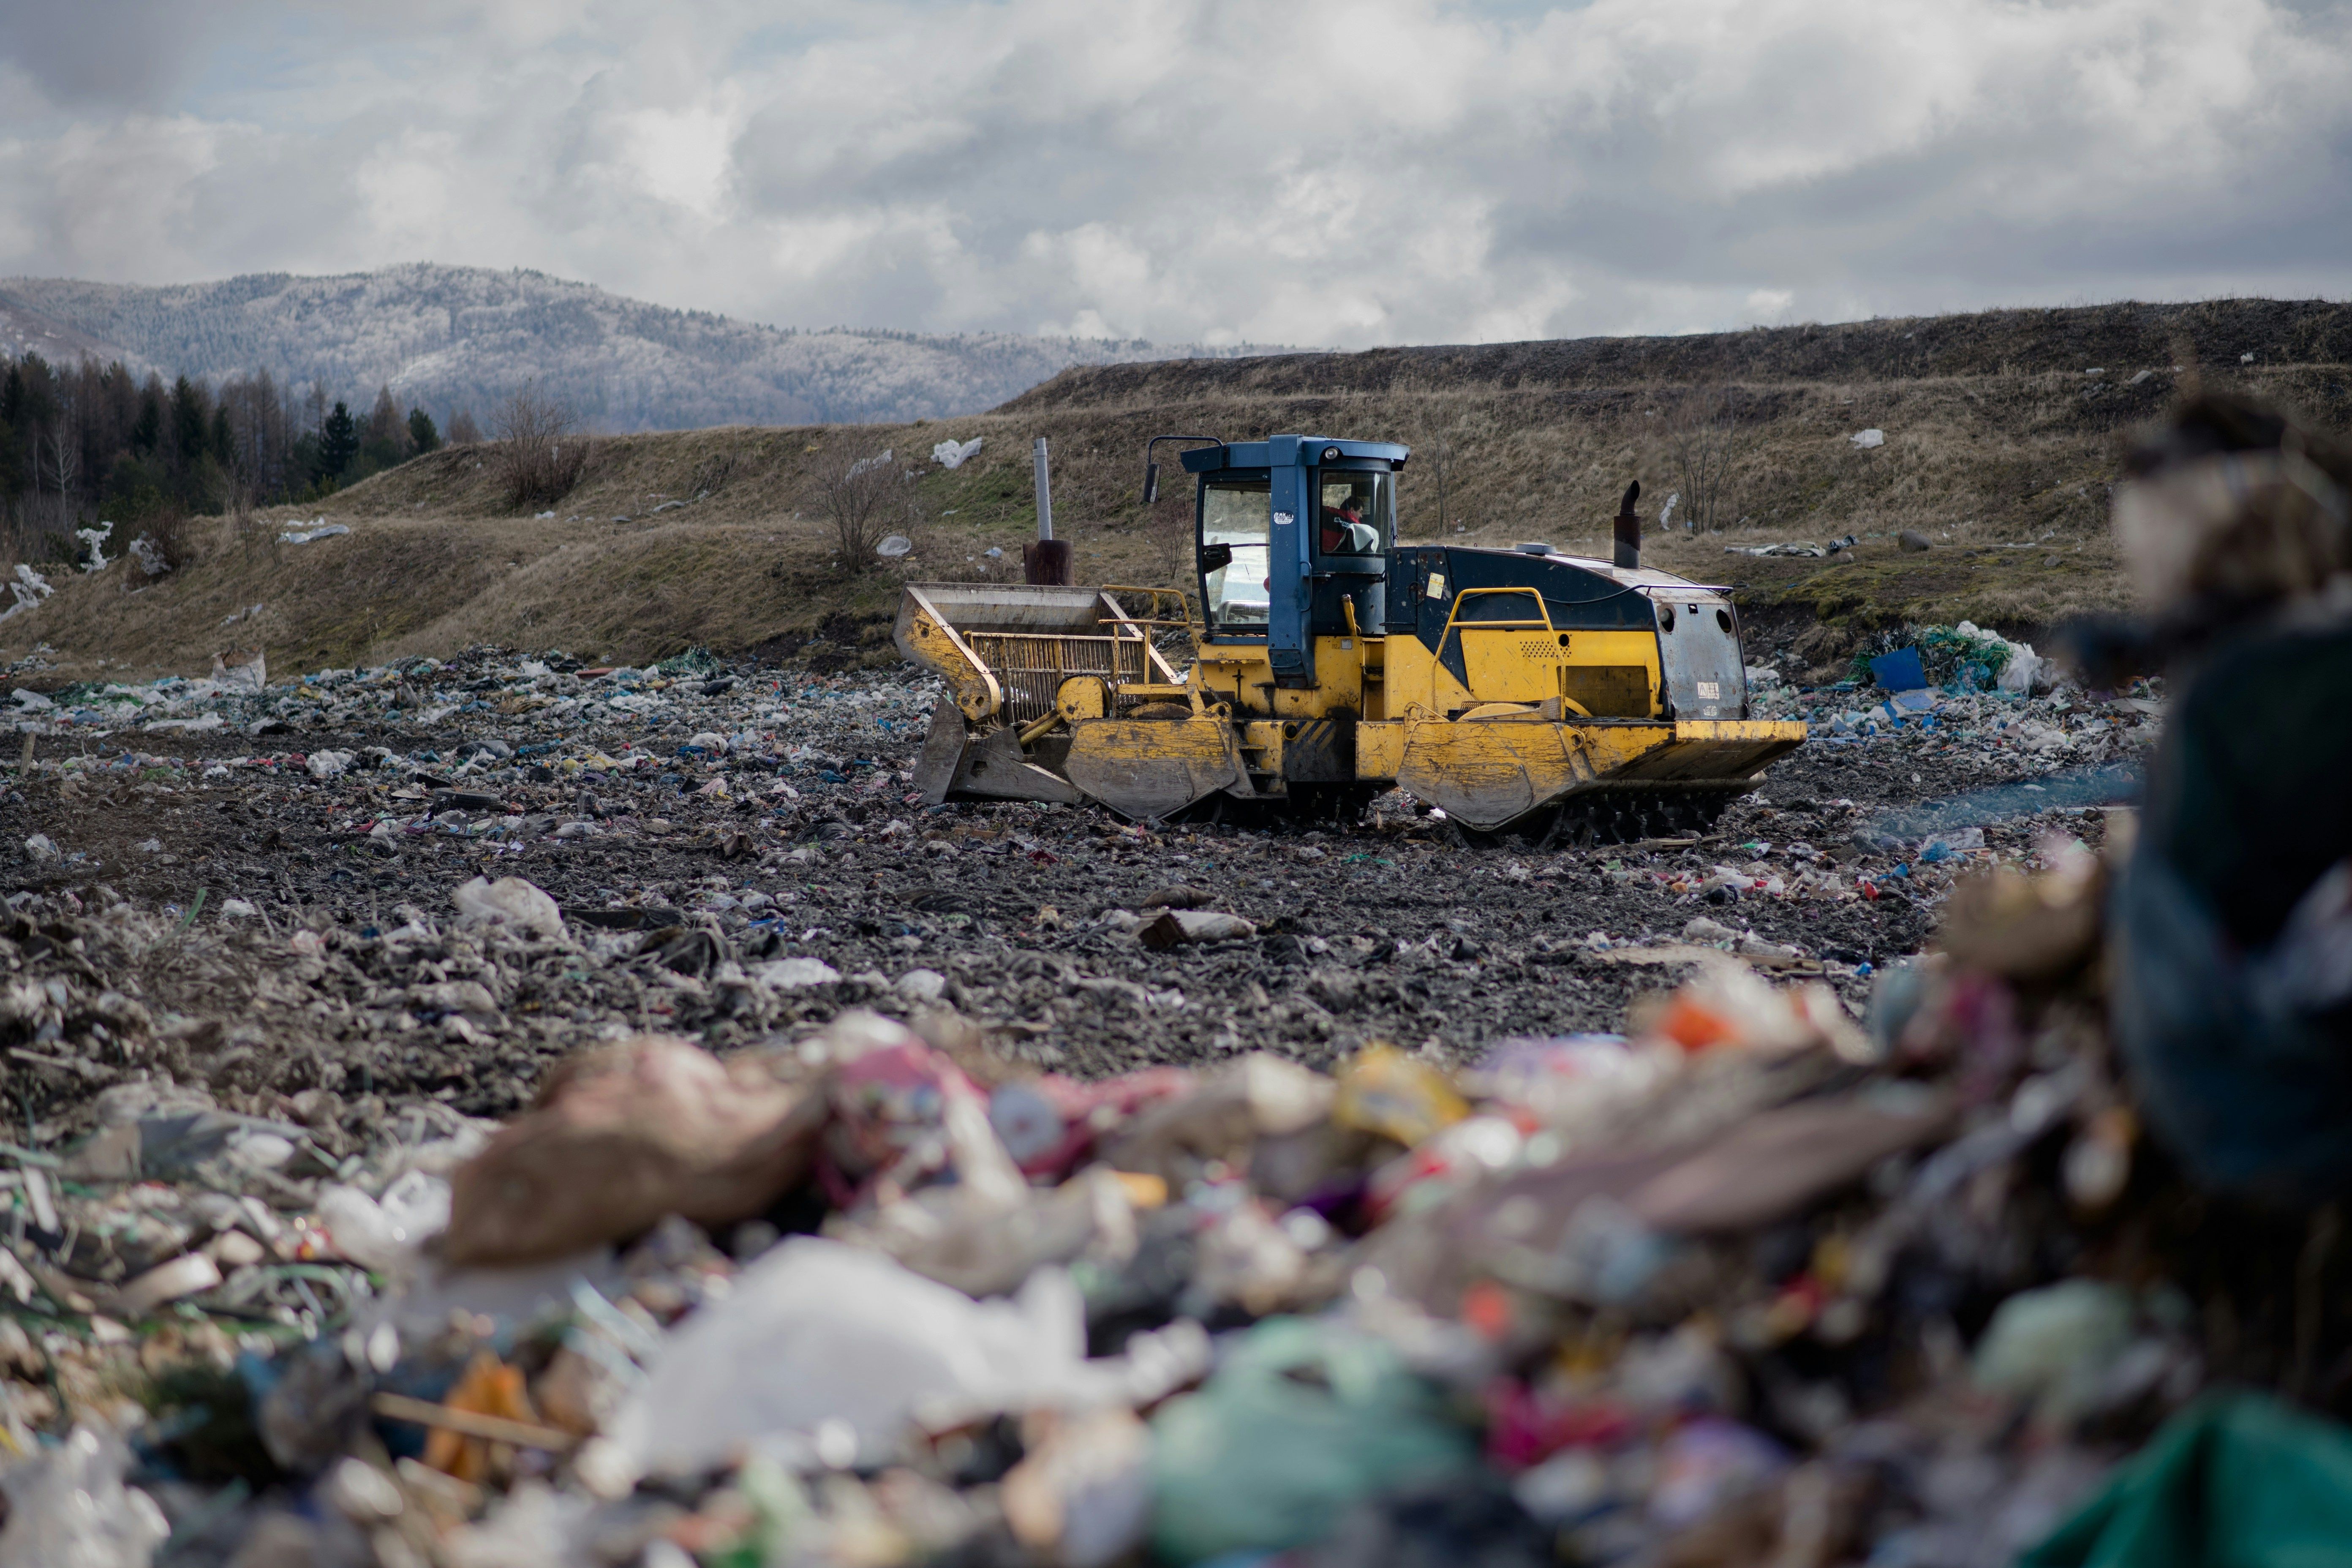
point(538, 451)
point(866, 499)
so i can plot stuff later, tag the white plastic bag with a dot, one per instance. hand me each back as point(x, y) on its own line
point(510, 902)
point(69, 1507)
point(2023, 668)
point(820, 1345)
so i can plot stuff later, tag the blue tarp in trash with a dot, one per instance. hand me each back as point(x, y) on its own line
point(1899, 671)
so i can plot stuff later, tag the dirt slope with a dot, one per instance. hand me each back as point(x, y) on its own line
point(2000, 445)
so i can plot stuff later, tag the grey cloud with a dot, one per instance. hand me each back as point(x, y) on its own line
point(113, 52)
point(1628, 164)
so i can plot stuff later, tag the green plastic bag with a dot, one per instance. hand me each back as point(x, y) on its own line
point(1301, 1419)
point(2236, 1480)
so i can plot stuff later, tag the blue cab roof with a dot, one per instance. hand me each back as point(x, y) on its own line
point(1284, 451)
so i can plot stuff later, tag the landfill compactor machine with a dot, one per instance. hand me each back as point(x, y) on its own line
point(1519, 690)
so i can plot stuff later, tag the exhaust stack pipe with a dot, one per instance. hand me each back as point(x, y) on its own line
point(1046, 563)
point(1629, 528)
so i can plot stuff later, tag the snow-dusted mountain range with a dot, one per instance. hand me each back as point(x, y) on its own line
point(464, 337)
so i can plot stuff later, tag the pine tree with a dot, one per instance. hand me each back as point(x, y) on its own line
point(339, 442)
point(147, 429)
point(385, 442)
point(189, 423)
point(224, 438)
point(421, 432)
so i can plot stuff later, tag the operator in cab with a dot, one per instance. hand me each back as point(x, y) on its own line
point(1345, 531)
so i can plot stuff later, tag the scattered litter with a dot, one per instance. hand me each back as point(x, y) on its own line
point(93, 543)
point(1866, 439)
point(951, 455)
point(1802, 548)
point(28, 590)
point(318, 530)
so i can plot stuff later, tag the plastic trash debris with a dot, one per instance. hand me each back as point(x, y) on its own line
point(1866, 439)
point(1081, 1497)
point(817, 1337)
point(250, 674)
point(1387, 1092)
point(1804, 548)
point(511, 902)
point(320, 529)
point(150, 556)
point(1899, 671)
point(622, 1136)
point(953, 455)
point(1777, 1163)
point(893, 546)
point(1174, 928)
point(1300, 1420)
point(2050, 1347)
point(1261, 1096)
point(1950, 844)
point(796, 974)
point(93, 542)
point(27, 590)
point(2237, 1477)
point(385, 1234)
point(1707, 1462)
point(69, 1507)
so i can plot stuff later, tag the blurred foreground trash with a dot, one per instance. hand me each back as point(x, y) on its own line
point(1300, 1420)
point(822, 1352)
point(2236, 1478)
point(646, 1127)
point(69, 1507)
point(1777, 1263)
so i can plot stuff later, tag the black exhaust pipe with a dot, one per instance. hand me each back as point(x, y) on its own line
point(1629, 528)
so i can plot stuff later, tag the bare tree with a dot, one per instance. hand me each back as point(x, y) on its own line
point(538, 452)
point(1704, 441)
point(65, 458)
point(1436, 441)
point(864, 499)
point(1168, 530)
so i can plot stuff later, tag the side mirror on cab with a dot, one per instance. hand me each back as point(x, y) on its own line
point(1215, 557)
point(1151, 483)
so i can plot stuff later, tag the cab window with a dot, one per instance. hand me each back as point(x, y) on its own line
point(1236, 514)
point(1357, 515)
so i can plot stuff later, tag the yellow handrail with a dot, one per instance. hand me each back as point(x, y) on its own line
point(1454, 616)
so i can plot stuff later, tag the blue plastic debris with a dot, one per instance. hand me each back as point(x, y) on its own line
point(1899, 671)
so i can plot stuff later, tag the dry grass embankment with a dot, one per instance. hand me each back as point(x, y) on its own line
point(1995, 438)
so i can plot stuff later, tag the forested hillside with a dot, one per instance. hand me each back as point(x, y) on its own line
point(452, 338)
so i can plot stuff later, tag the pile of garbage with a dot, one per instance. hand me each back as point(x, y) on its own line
point(587, 1231)
point(1753, 1280)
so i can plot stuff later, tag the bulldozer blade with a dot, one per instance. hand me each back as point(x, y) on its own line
point(1483, 775)
point(993, 768)
point(1151, 767)
point(942, 752)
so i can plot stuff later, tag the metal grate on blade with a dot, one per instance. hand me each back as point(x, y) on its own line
point(1030, 667)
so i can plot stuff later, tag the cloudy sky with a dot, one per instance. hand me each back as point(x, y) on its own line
point(1345, 174)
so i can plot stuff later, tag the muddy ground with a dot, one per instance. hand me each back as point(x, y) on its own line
point(293, 939)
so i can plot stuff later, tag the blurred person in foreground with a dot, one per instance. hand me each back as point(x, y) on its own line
point(2233, 988)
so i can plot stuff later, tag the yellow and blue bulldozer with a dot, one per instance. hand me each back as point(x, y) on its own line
point(1519, 690)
